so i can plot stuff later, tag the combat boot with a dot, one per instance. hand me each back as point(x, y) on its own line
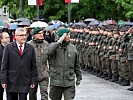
point(125, 83)
point(90, 69)
point(93, 71)
point(87, 68)
point(120, 81)
point(109, 77)
point(82, 66)
point(114, 79)
point(100, 74)
point(130, 89)
point(104, 75)
point(96, 72)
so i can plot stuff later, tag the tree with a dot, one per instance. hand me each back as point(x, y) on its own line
point(58, 9)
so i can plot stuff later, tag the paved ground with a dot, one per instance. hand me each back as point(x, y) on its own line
point(94, 88)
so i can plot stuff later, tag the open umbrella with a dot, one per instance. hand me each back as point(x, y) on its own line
point(94, 23)
point(13, 26)
point(24, 24)
point(49, 28)
point(4, 24)
point(111, 22)
point(128, 23)
point(120, 23)
point(80, 24)
point(23, 20)
point(55, 26)
point(89, 20)
point(55, 22)
point(104, 23)
point(39, 24)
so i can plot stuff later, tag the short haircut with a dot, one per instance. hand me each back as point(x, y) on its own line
point(1, 35)
point(20, 29)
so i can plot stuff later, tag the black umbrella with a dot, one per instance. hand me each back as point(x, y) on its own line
point(94, 23)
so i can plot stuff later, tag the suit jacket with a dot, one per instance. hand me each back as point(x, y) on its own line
point(1, 53)
point(18, 71)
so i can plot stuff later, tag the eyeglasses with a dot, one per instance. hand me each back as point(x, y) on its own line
point(22, 35)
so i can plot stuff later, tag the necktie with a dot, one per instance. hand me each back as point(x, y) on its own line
point(20, 49)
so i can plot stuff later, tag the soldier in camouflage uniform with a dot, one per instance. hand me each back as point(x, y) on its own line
point(107, 55)
point(39, 45)
point(123, 65)
point(114, 62)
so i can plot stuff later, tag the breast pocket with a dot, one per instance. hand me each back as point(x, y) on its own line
point(71, 58)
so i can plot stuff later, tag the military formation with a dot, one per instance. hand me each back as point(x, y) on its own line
point(106, 51)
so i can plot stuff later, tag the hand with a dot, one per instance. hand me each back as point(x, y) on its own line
point(126, 62)
point(62, 38)
point(77, 82)
point(4, 86)
point(32, 86)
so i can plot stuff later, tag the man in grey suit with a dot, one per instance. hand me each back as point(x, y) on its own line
point(18, 68)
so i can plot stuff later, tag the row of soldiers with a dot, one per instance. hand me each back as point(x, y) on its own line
point(106, 52)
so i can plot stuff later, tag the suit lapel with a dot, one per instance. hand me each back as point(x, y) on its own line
point(16, 47)
point(25, 49)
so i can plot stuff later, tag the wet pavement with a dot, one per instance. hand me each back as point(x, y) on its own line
point(94, 88)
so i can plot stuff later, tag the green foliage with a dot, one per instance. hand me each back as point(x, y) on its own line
point(57, 9)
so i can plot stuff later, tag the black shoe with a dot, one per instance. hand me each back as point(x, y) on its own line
point(125, 83)
point(100, 74)
point(104, 75)
point(114, 79)
point(130, 89)
point(120, 81)
point(92, 72)
point(82, 67)
point(87, 67)
point(109, 77)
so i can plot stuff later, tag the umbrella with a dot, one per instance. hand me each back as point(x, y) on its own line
point(128, 23)
point(104, 23)
point(49, 28)
point(4, 24)
point(111, 22)
point(80, 24)
point(13, 26)
point(94, 23)
point(89, 20)
point(24, 24)
point(23, 20)
point(55, 26)
point(56, 22)
point(39, 24)
point(120, 23)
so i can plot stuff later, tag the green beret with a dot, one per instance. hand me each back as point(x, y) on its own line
point(62, 31)
point(36, 30)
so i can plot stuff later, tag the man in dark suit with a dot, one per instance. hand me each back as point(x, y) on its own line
point(4, 39)
point(18, 68)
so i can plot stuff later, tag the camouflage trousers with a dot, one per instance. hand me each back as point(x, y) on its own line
point(123, 70)
point(43, 89)
point(114, 68)
point(130, 64)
